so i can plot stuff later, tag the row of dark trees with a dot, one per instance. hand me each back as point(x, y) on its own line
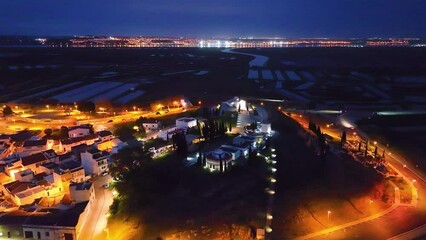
point(208, 113)
point(211, 129)
point(376, 154)
point(323, 147)
point(180, 144)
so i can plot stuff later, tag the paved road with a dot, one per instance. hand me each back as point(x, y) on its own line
point(97, 218)
point(13, 124)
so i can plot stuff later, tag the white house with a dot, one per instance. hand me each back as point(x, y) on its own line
point(234, 151)
point(34, 161)
point(71, 171)
point(217, 159)
point(50, 223)
point(186, 122)
point(23, 193)
point(34, 146)
point(66, 145)
point(167, 133)
point(26, 175)
point(105, 135)
point(94, 161)
point(83, 191)
point(265, 127)
point(151, 124)
point(79, 131)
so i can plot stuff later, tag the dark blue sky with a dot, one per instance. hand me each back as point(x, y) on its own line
point(201, 18)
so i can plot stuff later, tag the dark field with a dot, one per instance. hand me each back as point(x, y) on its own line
point(342, 75)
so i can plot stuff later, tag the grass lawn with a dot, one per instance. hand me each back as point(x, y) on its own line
point(307, 190)
point(404, 189)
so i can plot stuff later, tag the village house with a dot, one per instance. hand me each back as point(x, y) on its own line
point(186, 122)
point(34, 161)
point(71, 171)
point(34, 146)
point(151, 124)
point(94, 161)
point(46, 223)
point(79, 131)
point(66, 145)
point(23, 193)
point(107, 141)
point(83, 191)
point(218, 160)
point(167, 133)
point(105, 135)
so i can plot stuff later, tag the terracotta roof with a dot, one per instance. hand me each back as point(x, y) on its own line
point(32, 143)
point(34, 158)
point(45, 217)
point(79, 127)
point(40, 176)
point(104, 133)
point(79, 139)
point(38, 157)
point(17, 186)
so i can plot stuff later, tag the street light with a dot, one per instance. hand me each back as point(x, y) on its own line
point(268, 229)
point(279, 108)
point(371, 201)
point(47, 106)
point(328, 215)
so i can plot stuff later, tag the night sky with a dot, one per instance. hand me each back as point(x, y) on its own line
point(215, 18)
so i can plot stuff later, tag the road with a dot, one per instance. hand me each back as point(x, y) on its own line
point(401, 219)
point(16, 123)
point(96, 222)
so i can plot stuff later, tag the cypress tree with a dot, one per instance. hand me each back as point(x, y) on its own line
point(204, 160)
point(343, 141)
